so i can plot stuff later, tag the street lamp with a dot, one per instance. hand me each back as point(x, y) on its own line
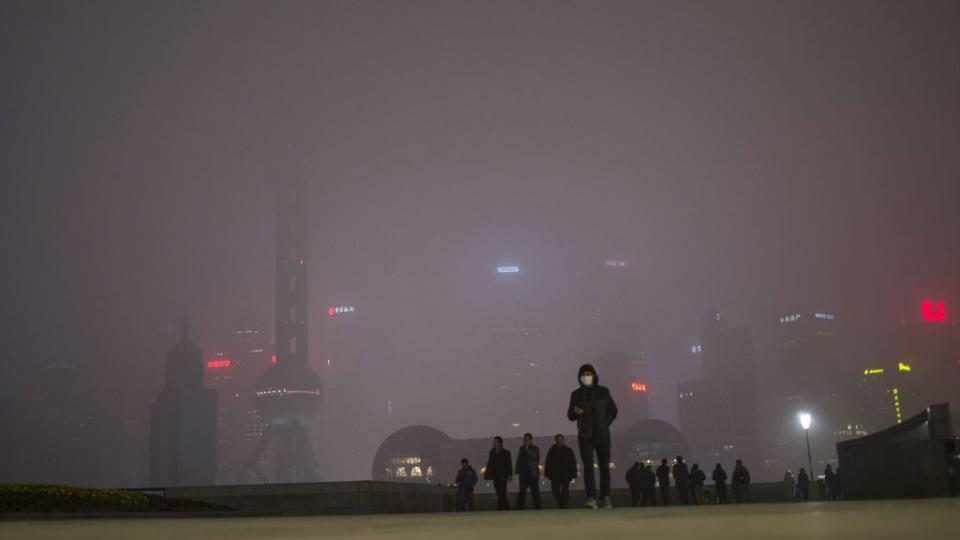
point(805, 421)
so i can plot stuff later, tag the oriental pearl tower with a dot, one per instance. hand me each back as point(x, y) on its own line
point(289, 392)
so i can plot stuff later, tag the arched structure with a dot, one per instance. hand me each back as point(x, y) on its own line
point(415, 454)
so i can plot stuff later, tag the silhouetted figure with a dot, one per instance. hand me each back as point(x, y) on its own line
point(500, 471)
point(741, 483)
point(697, 479)
point(648, 486)
point(789, 485)
point(829, 482)
point(663, 478)
point(803, 486)
point(528, 472)
point(592, 407)
point(634, 480)
point(465, 482)
point(561, 469)
point(681, 477)
point(720, 483)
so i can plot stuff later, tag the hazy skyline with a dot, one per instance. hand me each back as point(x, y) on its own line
point(743, 156)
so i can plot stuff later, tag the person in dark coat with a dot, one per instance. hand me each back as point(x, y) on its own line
point(681, 477)
point(837, 485)
point(635, 481)
point(561, 469)
point(649, 486)
point(500, 471)
point(741, 482)
point(663, 477)
point(697, 478)
point(465, 482)
point(803, 486)
point(528, 472)
point(720, 483)
point(592, 407)
point(829, 482)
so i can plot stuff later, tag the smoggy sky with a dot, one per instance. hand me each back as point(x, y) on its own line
point(747, 156)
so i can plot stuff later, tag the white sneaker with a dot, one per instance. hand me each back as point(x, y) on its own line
point(606, 502)
point(591, 503)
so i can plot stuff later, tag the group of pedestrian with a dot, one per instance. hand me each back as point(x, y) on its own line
point(831, 485)
point(689, 483)
point(593, 409)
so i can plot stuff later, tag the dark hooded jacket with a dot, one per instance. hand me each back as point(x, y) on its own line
point(597, 403)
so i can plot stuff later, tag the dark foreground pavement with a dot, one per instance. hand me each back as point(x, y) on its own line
point(910, 519)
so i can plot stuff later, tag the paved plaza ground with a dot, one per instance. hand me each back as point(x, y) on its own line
point(903, 520)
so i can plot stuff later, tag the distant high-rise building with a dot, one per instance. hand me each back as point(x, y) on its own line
point(233, 373)
point(719, 413)
point(608, 312)
point(345, 456)
point(183, 421)
point(928, 339)
point(627, 378)
point(816, 375)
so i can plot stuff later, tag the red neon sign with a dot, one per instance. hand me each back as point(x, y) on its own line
point(217, 364)
point(637, 386)
point(933, 311)
point(273, 359)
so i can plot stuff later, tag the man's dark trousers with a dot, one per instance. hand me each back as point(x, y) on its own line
point(534, 486)
point(602, 449)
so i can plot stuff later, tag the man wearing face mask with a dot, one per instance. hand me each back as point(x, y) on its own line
point(592, 407)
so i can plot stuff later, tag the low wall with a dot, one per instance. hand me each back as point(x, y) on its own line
point(372, 497)
point(364, 497)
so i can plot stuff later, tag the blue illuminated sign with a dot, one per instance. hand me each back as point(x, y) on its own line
point(508, 269)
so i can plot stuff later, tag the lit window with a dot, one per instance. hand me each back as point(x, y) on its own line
point(416, 472)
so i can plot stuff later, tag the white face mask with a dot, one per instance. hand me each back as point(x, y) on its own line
point(587, 380)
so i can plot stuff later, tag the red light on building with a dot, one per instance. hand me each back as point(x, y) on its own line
point(933, 311)
point(220, 363)
point(273, 359)
point(637, 386)
point(331, 311)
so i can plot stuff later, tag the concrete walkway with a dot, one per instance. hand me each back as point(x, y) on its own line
point(901, 520)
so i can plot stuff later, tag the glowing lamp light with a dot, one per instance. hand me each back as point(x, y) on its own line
point(638, 386)
point(219, 363)
point(805, 420)
point(931, 311)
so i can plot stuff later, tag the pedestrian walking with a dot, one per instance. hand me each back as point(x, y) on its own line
point(561, 469)
point(663, 480)
point(593, 408)
point(528, 472)
point(720, 484)
point(500, 471)
point(697, 479)
point(741, 483)
point(465, 482)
